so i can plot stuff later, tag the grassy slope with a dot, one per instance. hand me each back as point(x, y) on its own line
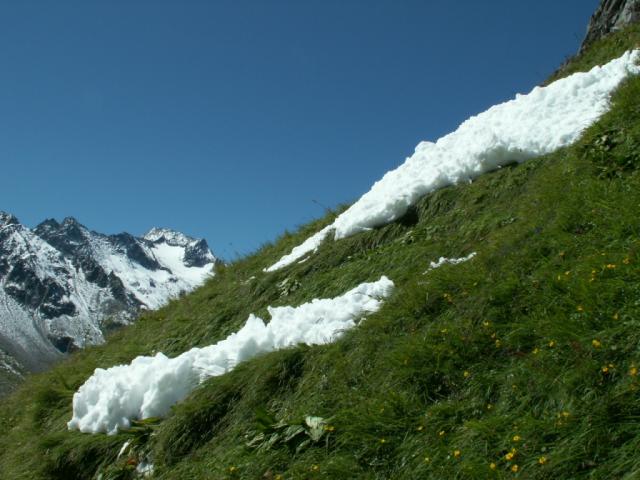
point(465, 358)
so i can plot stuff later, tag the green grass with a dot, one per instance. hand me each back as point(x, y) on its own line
point(460, 366)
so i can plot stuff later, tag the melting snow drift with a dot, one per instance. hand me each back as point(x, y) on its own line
point(450, 261)
point(528, 126)
point(149, 386)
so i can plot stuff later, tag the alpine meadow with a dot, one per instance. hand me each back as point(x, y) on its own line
point(481, 323)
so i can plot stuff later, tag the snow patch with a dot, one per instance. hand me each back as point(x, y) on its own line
point(172, 257)
point(124, 447)
point(153, 288)
point(311, 244)
point(149, 386)
point(546, 119)
point(450, 261)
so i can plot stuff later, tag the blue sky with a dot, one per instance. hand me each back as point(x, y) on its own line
point(236, 120)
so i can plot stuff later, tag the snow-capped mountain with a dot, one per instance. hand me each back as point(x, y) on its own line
point(62, 286)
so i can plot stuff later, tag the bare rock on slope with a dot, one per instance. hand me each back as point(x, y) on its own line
point(611, 15)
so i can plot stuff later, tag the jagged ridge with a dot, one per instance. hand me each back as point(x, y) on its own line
point(62, 286)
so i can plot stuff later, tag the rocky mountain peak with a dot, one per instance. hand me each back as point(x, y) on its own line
point(7, 219)
point(49, 223)
point(196, 251)
point(62, 286)
point(171, 237)
point(68, 221)
point(611, 15)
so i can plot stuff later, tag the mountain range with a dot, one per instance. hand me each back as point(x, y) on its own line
point(63, 286)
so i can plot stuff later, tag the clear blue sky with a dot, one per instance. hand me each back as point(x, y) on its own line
point(235, 120)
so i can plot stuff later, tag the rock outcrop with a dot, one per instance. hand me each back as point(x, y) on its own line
point(610, 16)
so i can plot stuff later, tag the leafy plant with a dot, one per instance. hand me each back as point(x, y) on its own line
point(296, 435)
point(133, 454)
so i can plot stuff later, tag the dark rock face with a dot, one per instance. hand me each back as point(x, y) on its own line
point(67, 237)
point(43, 296)
point(610, 16)
point(197, 254)
point(132, 248)
point(7, 219)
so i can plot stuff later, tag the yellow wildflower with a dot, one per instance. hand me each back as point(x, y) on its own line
point(315, 468)
point(552, 343)
point(633, 371)
point(536, 351)
point(420, 428)
point(615, 316)
point(441, 433)
point(456, 453)
point(580, 308)
point(509, 456)
point(466, 374)
point(329, 428)
point(498, 343)
point(596, 343)
point(486, 324)
point(233, 469)
point(605, 369)
point(492, 466)
point(515, 468)
point(542, 460)
point(427, 459)
point(516, 438)
point(383, 440)
point(626, 261)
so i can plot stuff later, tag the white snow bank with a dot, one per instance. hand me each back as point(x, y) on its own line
point(149, 386)
point(528, 126)
point(450, 261)
point(311, 244)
